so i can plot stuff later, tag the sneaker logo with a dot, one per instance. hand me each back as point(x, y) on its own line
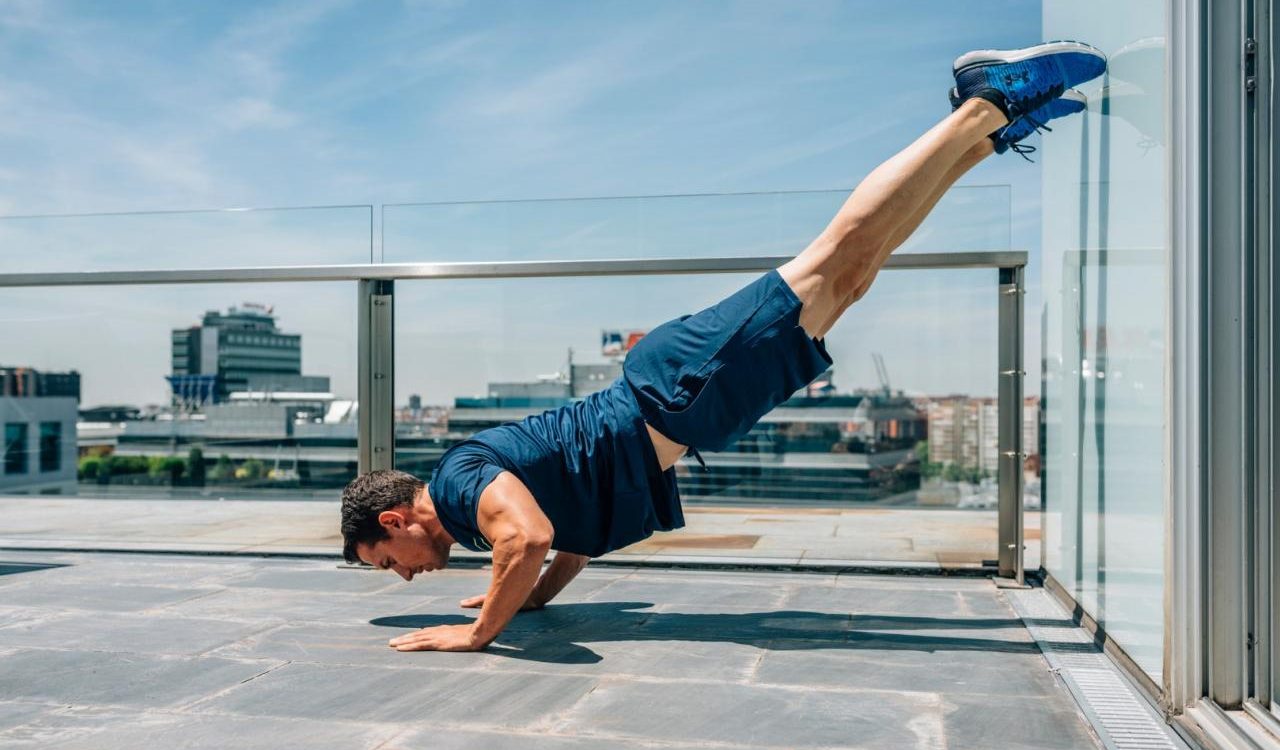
point(1010, 78)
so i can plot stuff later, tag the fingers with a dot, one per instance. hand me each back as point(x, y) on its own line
point(419, 641)
point(472, 602)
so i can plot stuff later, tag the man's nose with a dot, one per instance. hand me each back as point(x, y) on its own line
point(404, 572)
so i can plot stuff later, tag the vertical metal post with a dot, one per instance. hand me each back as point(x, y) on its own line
point(1009, 441)
point(376, 437)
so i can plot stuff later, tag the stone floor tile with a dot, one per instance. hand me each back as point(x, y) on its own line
point(475, 699)
point(100, 596)
point(113, 679)
point(978, 723)
point(136, 633)
point(753, 715)
point(95, 729)
point(15, 713)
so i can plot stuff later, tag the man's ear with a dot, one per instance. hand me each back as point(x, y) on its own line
point(391, 519)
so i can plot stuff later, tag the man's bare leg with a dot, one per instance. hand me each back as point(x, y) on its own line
point(837, 268)
point(846, 256)
point(971, 158)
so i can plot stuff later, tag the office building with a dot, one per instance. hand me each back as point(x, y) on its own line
point(240, 350)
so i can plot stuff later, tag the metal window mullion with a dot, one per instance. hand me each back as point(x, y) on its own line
point(1186, 574)
point(1268, 30)
point(1230, 460)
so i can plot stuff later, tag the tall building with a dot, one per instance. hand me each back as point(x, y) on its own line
point(239, 350)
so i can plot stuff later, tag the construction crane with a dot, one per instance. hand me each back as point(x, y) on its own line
point(882, 372)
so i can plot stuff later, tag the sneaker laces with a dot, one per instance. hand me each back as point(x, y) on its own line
point(1021, 149)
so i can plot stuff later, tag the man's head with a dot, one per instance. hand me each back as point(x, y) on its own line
point(388, 521)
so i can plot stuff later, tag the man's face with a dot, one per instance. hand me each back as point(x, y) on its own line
point(409, 550)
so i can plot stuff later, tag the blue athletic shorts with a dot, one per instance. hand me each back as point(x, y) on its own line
point(705, 379)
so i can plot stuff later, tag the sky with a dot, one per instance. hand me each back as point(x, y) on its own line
point(170, 106)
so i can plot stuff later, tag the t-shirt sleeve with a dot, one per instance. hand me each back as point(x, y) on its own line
point(455, 490)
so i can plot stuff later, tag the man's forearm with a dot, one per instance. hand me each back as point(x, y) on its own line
point(563, 568)
point(516, 564)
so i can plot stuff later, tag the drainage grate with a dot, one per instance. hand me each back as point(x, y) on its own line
point(1122, 719)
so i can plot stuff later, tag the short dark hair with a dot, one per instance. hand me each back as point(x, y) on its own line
point(365, 498)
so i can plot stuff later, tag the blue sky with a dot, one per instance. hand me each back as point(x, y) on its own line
point(130, 106)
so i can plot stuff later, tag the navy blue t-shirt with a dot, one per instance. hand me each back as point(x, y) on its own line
point(590, 465)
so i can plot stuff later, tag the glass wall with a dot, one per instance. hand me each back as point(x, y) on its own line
point(1106, 299)
point(889, 456)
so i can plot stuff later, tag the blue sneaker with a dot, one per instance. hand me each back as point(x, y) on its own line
point(1010, 136)
point(1024, 80)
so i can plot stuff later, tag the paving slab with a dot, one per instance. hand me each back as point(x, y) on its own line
point(449, 697)
point(15, 713)
point(748, 714)
point(98, 678)
point(100, 596)
point(95, 729)
point(454, 739)
point(972, 724)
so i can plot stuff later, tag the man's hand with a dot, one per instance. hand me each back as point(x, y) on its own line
point(439, 638)
point(476, 602)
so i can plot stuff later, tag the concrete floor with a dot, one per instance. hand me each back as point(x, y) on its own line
point(109, 650)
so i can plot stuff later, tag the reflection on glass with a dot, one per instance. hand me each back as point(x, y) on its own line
point(1105, 219)
point(769, 224)
point(891, 455)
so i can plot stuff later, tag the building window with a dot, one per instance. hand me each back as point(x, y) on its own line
point(15, 448)
point(50, 446)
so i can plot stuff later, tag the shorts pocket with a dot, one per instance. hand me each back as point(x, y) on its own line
point(691, 390)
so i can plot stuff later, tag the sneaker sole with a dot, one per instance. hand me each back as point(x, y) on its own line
point(1070, 94)
point(988, 56)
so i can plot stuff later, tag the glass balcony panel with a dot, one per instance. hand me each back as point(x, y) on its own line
point(768, 224)
point(1106, 293)
point(836, 475)
point(187, 239)
point(279, 423)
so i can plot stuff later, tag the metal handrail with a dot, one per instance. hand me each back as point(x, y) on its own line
point(486, 270)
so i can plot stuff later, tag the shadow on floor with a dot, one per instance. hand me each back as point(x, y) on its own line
point(556, 633)
point(11, 568)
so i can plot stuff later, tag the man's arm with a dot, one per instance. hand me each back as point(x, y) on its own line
point(521, 534)
point(509, 517)
point(563, 568)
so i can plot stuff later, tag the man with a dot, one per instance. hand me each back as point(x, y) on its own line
point(596, 475)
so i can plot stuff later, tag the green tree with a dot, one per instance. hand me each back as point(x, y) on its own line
point(223, 470)
point(119, 465)
point(90, 467)
point(167, 467)
point(195, 466)
point(251, 470)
